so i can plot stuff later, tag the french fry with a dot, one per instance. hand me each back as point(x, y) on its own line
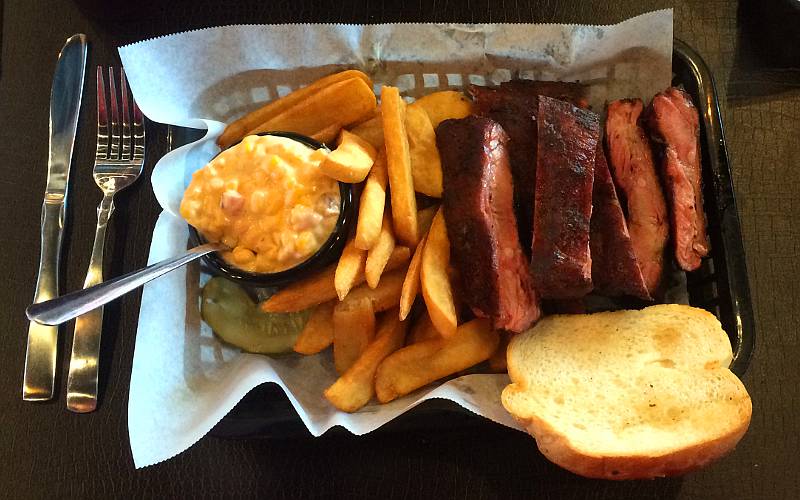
point(349, 269)
point(497, 361)
point(236, 130)
point(436, 289)
point(398, 162)
point(426, 167)
point(371, 131)
point(366, 118)
point(385, 296)
point(351, 161)
point(419, 364)
point(318, 332)
point(372, 205)
point(328, 134)
point(356, 386)
point(353, 330)
point(308, 292)
point(330, 109)
point(411, 282)
point(379, 254)
point(321, 287)
point(425, 218)
point(443, 105)
point(423, 330)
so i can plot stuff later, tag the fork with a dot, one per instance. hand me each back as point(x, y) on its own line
point(118, 163)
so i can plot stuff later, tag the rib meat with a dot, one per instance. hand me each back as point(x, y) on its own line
point(631, 162)
point(567, 139)
point(673, 122)
point(478, 208)
point(513, 105)
point(614, 267)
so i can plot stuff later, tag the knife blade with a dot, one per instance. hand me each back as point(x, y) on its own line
point(65, 104)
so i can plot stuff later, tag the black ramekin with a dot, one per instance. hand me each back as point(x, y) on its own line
point(327, 253)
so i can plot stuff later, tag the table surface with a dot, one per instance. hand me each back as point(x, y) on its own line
point(50, 452)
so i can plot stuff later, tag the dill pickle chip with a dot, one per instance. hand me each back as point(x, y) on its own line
point(237, 320)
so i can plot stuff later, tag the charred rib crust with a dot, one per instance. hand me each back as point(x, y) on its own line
point(561, 262)
point(614, 267)
point(481, 226)
point(514, 105)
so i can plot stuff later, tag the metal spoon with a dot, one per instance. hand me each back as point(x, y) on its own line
point(71, 305)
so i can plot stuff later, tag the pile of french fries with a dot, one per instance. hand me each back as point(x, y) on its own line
point(364, 305)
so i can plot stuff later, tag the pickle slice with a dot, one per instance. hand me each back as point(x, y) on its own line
point(237, 320)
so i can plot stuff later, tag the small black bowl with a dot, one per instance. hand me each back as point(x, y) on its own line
point(327, 253)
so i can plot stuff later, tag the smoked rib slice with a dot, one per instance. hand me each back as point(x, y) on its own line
point(478, 209)
point(567, 139)
point(673, 122)
point(513, 105)
point(614, 267)
point(631, 163)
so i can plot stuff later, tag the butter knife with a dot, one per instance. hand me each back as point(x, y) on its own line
point(65, 104)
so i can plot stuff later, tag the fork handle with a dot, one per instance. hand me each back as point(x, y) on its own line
point(84, 361)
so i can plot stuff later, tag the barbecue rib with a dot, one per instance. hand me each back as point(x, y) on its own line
point(478, 208)
point(673, 122)
point(614, 267)
point(567, 139)
point(632, 167)
point(513, 105)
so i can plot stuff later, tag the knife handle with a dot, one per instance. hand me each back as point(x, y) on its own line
point(40, 356)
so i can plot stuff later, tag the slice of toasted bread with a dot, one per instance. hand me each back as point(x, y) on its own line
point(628, 394)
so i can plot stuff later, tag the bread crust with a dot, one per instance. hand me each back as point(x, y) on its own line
point(557, 448)
point(560, 448)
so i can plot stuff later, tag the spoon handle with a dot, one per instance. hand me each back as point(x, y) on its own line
point(71, 305)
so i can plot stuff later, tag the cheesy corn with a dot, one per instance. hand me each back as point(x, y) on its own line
point(266, 199)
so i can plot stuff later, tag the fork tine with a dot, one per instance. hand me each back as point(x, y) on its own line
point(114, 116)
point(102, 117)
point(126, 120)
point(137, 113)
point(138, 131)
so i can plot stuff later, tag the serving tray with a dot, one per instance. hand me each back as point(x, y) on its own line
point(719, 286)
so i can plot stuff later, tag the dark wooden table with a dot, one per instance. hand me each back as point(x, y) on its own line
point(47, 452)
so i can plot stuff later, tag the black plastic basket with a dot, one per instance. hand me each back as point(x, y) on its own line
point(719, 286)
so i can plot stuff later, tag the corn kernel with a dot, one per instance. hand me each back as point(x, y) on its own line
point(306, 243)
point(230, 241)
point(242, 255)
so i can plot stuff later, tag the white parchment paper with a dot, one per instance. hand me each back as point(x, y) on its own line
point(184, 381)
